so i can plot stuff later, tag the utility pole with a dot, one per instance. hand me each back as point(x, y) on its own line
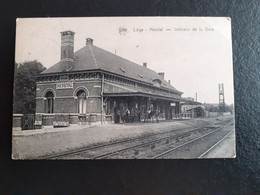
point(221, 98)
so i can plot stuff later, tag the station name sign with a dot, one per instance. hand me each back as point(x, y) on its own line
point(64, 85)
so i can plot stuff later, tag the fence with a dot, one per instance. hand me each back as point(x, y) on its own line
point(182, 116)
point(28, 121)
point(36, 121)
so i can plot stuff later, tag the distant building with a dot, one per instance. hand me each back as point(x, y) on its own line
point(95, 81)
point(192, 107)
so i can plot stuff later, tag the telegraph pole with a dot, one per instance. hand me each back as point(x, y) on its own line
point(221, 98)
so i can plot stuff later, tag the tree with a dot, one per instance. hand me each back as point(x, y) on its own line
point(25, 86)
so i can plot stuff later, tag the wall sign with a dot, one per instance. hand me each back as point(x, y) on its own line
point(64, 85)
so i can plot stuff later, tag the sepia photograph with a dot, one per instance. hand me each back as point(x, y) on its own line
point(123, 88)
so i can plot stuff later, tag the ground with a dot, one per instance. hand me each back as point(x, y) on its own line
point(38, 143)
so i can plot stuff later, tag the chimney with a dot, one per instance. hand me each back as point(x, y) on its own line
point(145, 64)
point(161, 74)
point(89, 41)
point(169, 81)
point(67, 50)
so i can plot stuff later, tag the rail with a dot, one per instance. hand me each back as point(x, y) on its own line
point(126, 145)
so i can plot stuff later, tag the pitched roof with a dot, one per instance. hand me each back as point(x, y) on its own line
point(91, 57)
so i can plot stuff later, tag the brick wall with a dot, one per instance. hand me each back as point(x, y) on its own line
point(64, 99)
point(93, 87)
point(47, 119)
point(65, 105)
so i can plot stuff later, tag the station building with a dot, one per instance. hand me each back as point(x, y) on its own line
point(92, 81)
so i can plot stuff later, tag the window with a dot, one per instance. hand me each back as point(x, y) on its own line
point(82, 101)
point(49, 106)
point(157, 82)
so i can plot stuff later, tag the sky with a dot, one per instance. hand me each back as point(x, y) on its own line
point(194, 52)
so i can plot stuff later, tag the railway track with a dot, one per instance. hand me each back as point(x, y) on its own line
point(138, 147)
point(169, 151)
point(157, 149)
point(215, 145)
point(115, 143)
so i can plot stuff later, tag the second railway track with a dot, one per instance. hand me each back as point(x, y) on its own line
point(140, 147)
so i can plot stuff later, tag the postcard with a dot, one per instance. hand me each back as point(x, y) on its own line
point(123, 88)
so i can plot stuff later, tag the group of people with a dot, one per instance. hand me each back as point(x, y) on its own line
point(149, 114)
point(126, 116)
point(152, 115)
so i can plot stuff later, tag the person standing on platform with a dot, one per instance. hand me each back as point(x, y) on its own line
point(127, 115)
point(157, 112)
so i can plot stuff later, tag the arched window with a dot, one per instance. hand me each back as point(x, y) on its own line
point(49, 106)
point(82, 101)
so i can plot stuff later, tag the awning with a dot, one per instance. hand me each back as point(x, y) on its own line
point(142, 94)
